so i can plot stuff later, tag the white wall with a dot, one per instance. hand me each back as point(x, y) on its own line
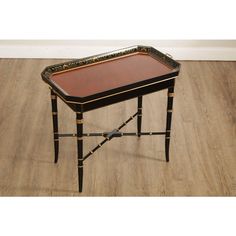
point(179, 49)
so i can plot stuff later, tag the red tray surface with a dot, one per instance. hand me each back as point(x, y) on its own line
point(110, 74)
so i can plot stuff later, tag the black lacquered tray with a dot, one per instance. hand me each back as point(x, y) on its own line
point(86, 79)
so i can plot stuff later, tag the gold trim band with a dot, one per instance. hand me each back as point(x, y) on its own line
point(80, 166)
point(170, 110)
point(170, 95)
point(56, 140)
point(167, 137)
point(54, 113)
point(79, 121)
point(79, 138)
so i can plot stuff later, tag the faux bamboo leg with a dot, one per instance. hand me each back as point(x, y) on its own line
point(139, 116)
point(55, 125)
point(79, 123)
point(168, 121)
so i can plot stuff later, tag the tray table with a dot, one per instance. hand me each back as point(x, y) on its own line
point(97, 81)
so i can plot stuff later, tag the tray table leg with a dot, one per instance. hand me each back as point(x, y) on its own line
point(55, 125)
point(139, 116)
point(168, 120)
point(79, 123)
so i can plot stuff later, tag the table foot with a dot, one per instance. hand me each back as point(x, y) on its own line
point(80, 178)
point(56, 151)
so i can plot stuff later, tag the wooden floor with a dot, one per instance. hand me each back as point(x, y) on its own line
point(203, 144)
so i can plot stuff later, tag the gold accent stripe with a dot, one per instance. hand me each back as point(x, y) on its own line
point(169, 110)
point(140, 108)
point(80, 159)
point(54, 113)
point(79, 121)
point(170, 94)
point(78, 112)
point(73, 102)
point(56, 140)
point(139, 114)
point(79, 138)
point(80, 166)
point(168, 130)
point(167, 137)
point(91, 152)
